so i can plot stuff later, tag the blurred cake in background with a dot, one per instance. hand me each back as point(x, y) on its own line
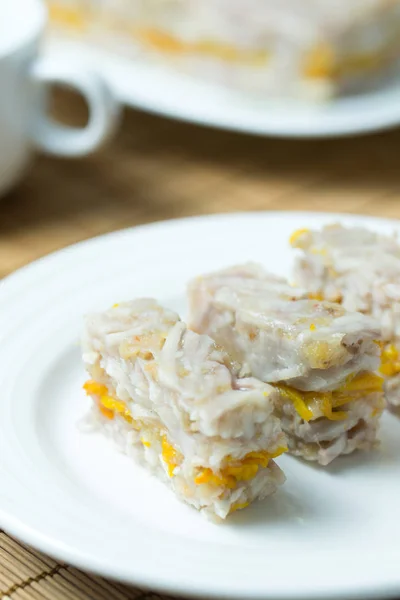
point(297, 48)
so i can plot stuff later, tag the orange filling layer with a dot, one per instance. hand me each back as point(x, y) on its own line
point(170, 44)
point(72, 17)
point(234, 472)
point(108, 405)
point(244, 469)
point(323, 63)
point(309, 405)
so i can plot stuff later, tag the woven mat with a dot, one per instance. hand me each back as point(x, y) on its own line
point(159, 169)
point(26, 574)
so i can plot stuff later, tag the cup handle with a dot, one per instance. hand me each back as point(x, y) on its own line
point(104, 109)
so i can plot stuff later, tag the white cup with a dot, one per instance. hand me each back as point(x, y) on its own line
point(25, 78)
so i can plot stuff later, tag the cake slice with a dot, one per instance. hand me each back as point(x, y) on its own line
point(171, 398)
point(361, 270)
point(318, 356)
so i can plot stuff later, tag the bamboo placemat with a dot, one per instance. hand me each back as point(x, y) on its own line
point(159, 169)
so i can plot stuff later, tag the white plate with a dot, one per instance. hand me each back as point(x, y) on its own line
point(328, 533)
point(164, 91)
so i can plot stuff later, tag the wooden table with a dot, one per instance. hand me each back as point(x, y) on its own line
point(159, 169)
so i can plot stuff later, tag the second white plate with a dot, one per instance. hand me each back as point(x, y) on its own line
point(328, 532)
point(158, 89)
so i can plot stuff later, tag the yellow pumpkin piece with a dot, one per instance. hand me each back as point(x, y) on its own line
point(296, 235)
point(207, 476)
point(321, 252)
point(238, 506)
point(387, 369)
point(390, 364)
point(297, 399)
point(212, 48)
point(337, 415)
point(119, 407)
point(97, 389)
point(365, 382)
point(72, 18)
point(390, 352)
point(341, 399)
point(107, 404)
point(171, 456)
point(280, 450)
point(113, 404)
point(243, 472)
point(106, 412)
point(326, 409)
point(161, 41)
point(257, 458)
point(320, 62)
point(377, 410)
point(316, 296)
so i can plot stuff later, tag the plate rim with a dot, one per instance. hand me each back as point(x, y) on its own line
point(385, 221)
